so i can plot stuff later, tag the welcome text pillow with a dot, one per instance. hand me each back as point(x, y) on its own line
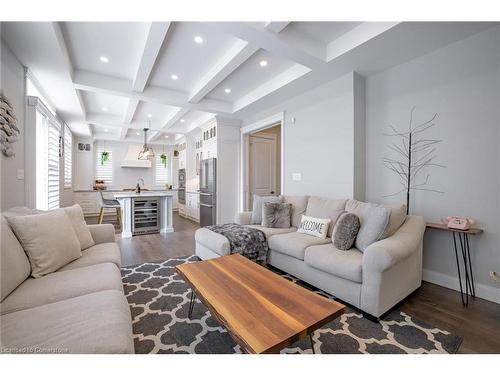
point(314, 226)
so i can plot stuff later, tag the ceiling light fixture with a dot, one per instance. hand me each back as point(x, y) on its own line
point(106, 130)
point(166, 136)
point(263, 63)
point(198, 39)
point(182, 120)
point(138, 133)
point(150, 115)
point(227, 91)
point(104, 59)
point(147, 152)
point(174, 77)
point(105, 109)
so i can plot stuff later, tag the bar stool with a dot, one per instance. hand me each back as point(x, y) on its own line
point(110, 202)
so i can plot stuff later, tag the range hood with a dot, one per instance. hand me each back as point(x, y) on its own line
point(132, 161)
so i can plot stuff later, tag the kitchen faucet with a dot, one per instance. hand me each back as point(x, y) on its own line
point(138, 187)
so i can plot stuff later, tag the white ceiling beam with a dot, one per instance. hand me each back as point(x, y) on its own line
point(123, 133)
point(176, 116)
point(100, 83)
point(271, 42)
point(130, 111)
point(276, 27)
point(156, 36)
point(355, 37)
point(237, 55)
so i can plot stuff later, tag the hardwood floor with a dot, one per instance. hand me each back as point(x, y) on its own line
point(478, 324)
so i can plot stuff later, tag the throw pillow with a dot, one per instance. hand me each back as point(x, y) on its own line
point(374, 225)
point(258, 201)
point(48, 239)
point(299, 205)
point(276, 215)
point(345, 231)
point(314, 226)
point(82, 231)
point(326, 208)
point(398, 217)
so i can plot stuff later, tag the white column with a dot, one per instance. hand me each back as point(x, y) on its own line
point(166, 216)
point(126, 205)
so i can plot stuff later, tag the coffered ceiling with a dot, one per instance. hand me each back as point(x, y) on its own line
point(109, 80)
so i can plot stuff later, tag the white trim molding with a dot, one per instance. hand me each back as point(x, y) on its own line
point(483, 291)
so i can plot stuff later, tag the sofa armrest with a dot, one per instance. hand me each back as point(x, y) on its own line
point(384, 254)
point(243, 218)
point(102, 233)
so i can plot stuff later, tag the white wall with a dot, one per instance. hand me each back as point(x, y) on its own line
point(13, 87)
point(462, 83)
point(321, 144)
point(123, 178)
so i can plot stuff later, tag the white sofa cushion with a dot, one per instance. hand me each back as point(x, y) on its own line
point(294, 244)
point(374, 222)
point(213, 241)
point(94, 323)
point(62, 285)
point(15, 266)
point(398, 217)
point(82, 231)
point(48, 239)
point(299, 206)
point(272, 231)
point(327, 209)
point(107, 252)
point(346, 264)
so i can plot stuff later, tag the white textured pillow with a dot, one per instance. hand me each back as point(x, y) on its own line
point(82, 231)
point(48, 239)
point(314, 226)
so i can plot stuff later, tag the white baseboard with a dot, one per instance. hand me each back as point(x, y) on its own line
point(486, 292)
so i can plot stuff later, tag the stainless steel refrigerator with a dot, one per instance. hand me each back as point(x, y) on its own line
point(208, 190)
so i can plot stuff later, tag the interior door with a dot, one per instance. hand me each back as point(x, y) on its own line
point(262, 166)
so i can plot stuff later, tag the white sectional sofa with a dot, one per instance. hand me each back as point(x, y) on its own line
point(374, 280)
point(80, 308)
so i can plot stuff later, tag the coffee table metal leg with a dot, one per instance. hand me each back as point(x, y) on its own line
point(191, 305)
point(312, 343)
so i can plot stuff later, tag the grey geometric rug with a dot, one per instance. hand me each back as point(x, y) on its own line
point(159, 301)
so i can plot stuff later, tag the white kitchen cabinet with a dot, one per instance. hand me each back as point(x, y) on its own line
point(193, 206)
point(182, 210)
point(209, 140)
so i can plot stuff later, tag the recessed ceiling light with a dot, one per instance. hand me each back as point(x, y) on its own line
point(104, 59)
point(198, 39)
point(174, 77)
point(105, 109)
point(263, 63)
point(166, 136)
point(150, 115)
point(106, 130)
point(138, 133)
point(227, 91)
point(182, 120)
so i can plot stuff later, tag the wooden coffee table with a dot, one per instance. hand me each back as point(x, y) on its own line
point(262, 311)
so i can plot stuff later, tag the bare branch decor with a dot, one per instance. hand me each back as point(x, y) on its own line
point(414, 154)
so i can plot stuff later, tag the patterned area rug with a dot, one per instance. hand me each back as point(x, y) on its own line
point(159, 301)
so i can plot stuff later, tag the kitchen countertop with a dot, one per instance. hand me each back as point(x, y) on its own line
point(192, 192)
point(133, 194)
point(122, 191)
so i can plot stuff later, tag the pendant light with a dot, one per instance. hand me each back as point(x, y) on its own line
point(147, 152)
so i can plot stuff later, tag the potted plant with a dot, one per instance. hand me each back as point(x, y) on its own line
point(104, 157)
point(163, 158)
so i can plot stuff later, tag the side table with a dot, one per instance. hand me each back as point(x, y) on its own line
point(463, 239)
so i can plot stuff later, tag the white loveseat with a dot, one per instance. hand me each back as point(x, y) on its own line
point(80, 308)
point(374, 280)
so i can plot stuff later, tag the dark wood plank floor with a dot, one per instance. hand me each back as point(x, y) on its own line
point(479, 324)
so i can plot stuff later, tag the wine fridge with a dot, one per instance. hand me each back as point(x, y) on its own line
point(145, 215)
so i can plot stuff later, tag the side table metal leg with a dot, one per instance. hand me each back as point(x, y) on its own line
point(470, 265)
point(464, 301)
point(312, 343)
point(191, 305)
point(468, 288)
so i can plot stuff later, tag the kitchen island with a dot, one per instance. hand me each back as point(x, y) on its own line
point(165, 208)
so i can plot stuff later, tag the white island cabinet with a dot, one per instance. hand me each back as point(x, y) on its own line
point(126, 200)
